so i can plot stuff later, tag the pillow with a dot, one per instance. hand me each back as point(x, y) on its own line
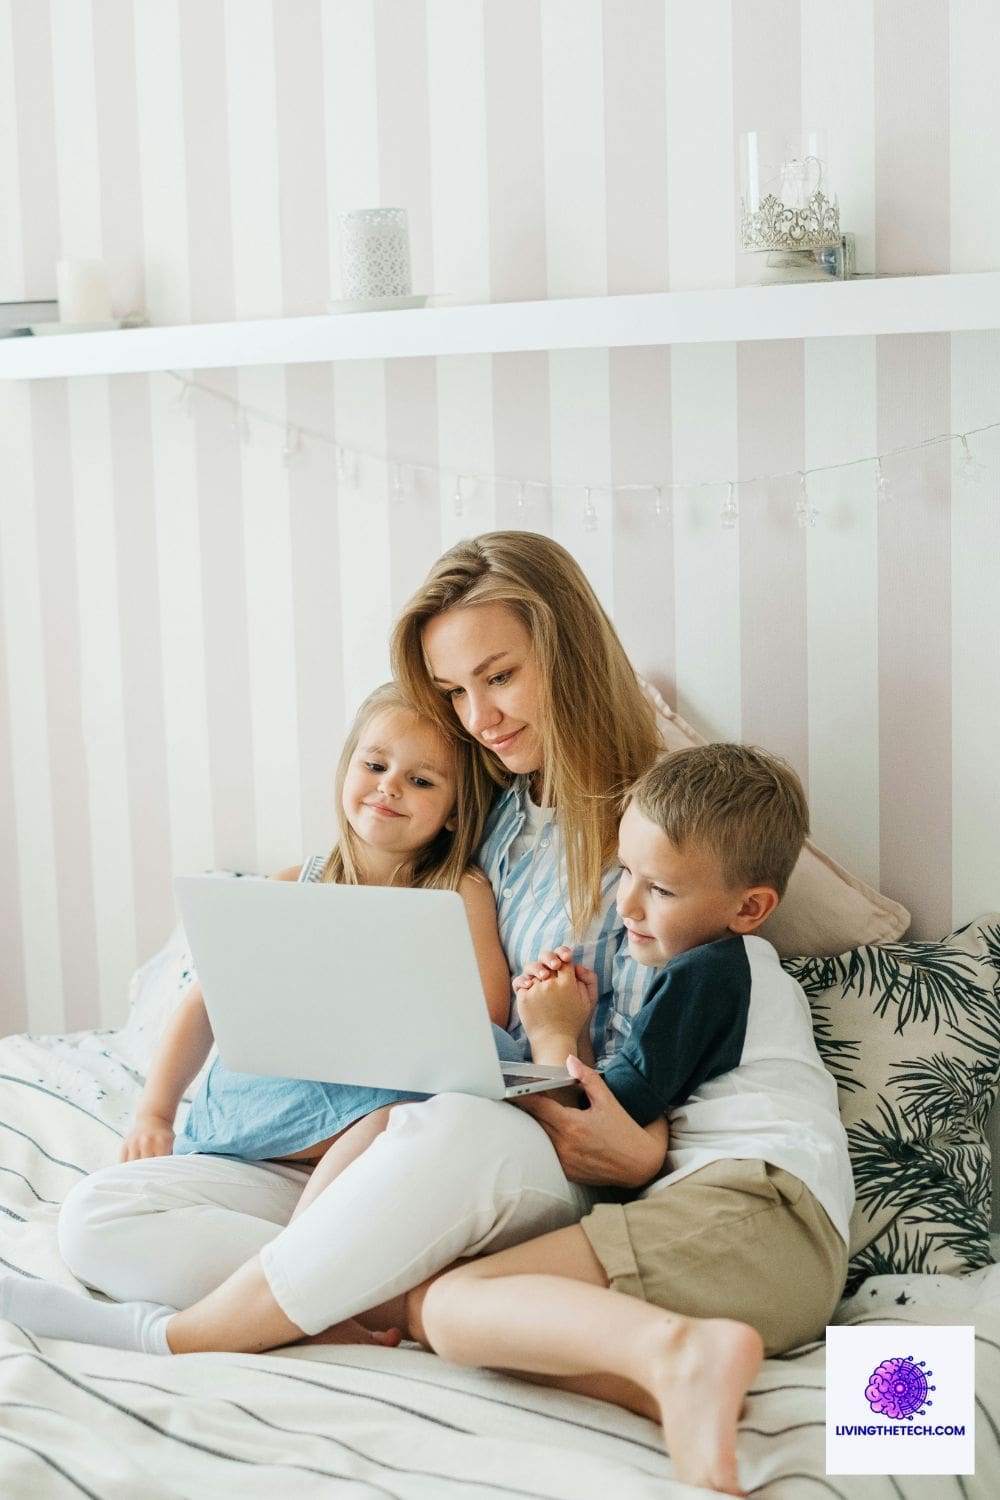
point(911, 1033)
point(825, 909)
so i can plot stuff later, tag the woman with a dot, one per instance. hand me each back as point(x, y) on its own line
point(508, 638)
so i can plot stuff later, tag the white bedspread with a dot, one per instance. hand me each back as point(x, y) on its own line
point(77, 1420)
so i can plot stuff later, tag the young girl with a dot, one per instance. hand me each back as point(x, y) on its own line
point(410, 806)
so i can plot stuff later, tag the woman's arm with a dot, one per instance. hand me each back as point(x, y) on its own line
point(481, 911)
point(600, 1146)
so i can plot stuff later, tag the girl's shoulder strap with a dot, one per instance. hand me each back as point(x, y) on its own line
point(312, 870)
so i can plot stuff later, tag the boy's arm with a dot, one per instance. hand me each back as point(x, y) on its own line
point(183, 1047)
point(481, 911)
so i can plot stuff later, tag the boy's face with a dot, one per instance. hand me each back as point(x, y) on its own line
point(670, 899)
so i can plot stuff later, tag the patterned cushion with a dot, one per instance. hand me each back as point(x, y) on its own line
point(911, 1033)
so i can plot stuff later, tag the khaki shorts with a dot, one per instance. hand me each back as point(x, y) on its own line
point(737, 1239)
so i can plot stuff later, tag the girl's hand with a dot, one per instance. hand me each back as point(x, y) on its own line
point(543, 968)
point(150, 1135)
point(553, 1013)
point(601, 1146)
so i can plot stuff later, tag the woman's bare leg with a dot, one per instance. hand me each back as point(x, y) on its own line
point(347, 1147)
point(545, 1308)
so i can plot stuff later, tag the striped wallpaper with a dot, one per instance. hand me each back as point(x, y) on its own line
point(186, 620)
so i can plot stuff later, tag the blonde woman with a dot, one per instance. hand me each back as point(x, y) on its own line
point(507, 642)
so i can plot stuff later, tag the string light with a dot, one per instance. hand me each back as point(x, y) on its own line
point(970, 468)
point(729, 514)
point(403, 478)
point(805, 511)
point(589, 511)
point(882, 486)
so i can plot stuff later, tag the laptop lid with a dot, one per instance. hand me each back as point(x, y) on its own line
point(341, 983)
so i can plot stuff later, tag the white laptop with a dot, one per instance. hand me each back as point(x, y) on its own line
point(347, 984)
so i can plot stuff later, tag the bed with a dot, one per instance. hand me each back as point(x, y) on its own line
point(82, 1420)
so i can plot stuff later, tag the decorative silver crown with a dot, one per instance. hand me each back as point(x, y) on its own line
point(775, 226)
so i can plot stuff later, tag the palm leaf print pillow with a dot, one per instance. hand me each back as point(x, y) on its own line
point(911, 1033)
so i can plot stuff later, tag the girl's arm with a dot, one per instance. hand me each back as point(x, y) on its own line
point(183, 1047)
point(181, 1051)
point(480, 908)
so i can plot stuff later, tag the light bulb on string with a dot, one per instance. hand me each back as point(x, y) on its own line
point(347, 468)
point(970, 468)
point(291, 449)
point(730, 512)
point(398, 486)
point(183, 402)
point(589, 511)
point(521, 501)
point(883, 488)
point(661, 507)
point(458, 499)
point(805, 511)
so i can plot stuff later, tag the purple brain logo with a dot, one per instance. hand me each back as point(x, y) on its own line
point(898, 1388)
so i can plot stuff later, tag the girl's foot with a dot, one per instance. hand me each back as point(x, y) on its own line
point(699, 1372)
point(353, 1332)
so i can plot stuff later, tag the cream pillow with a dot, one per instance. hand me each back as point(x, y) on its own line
point(825, 910)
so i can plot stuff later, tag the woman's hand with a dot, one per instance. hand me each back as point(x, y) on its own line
point(150, 1135)
point(601, 1146)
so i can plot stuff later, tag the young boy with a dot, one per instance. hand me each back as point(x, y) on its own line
point(739, 1249)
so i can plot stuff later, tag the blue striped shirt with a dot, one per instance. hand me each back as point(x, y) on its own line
point(533, 915)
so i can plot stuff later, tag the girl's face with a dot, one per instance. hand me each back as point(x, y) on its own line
point(400, 788)
point(481, 660)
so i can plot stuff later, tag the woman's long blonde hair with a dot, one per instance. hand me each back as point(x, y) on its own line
point(598, 731)
point(443, 862)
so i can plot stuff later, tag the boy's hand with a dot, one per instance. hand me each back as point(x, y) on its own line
point(553, 1012)
point(150, 1135)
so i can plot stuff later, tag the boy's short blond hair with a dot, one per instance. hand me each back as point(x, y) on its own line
point(747, 807)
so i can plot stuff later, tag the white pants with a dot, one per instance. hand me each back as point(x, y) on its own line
point(450, 1177)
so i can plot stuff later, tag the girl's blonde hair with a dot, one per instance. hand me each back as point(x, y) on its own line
point(443, 862)
point(598, 731)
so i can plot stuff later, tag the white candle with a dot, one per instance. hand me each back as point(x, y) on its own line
point(82, 289)
point(375, 253)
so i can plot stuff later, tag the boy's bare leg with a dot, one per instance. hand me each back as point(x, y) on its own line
point(545, 1308)
point(347, 1147)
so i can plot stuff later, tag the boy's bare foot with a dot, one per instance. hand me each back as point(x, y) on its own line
point(699, 1371)
point(353, 1332)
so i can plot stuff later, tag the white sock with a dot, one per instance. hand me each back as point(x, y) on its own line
point(55, 1313)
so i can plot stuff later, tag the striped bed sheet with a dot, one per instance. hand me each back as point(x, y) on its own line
point(78, 1420)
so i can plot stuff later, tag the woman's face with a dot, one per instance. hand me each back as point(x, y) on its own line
point(481, 660)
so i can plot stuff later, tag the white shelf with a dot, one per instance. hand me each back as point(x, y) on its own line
point(904, 304)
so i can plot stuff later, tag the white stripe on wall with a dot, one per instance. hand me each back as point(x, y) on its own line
point(573, 90)
point(77, 155)
point(581, 456)
point(459, 184)
point(465, 447)
point(706, 557)
point(11, 246)
point(253, 158)
point(36, 865)
point(838, 85)
point(182, 630)
point(974, 135)
point(270, 629)
point(366, 603)
point(699, 68)
point(975, 660)
point(351, 116)
point(842, 603)
point(101, 698)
